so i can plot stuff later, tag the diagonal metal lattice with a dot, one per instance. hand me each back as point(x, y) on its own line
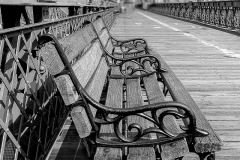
point(32, 111)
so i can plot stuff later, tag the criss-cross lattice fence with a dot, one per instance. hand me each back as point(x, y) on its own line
point(31, 109)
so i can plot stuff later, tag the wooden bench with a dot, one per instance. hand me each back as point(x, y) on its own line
point(206, 146)
point(106, 93)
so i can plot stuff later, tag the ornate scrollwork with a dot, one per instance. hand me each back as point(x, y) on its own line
point(230, 18)
point(207, 14)
point(173, 11)
point(223, 17)
point(236, 19)
point(177, 11)
point(189, 13)
point(212, 14)
point(130, 66)
point(217, 16)
point(203, 15)
point(157, 117)
point(182, 12)
point(135, 44)
point(167, 10)
point(196, 13)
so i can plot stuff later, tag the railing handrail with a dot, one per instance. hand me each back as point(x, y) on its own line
point(57, 4)
point(42, 24)
point(33, 110)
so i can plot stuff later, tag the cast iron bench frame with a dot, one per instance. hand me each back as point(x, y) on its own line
point(205, 146)
point(190, 131)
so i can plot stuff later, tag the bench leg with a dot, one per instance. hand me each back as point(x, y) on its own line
point(91, 149)
point(207, 156)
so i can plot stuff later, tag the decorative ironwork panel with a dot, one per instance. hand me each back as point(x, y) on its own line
point(32, 111)
point(219, 13)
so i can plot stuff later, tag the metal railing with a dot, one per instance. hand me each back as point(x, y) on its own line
point(223, 14)
point(32, 111)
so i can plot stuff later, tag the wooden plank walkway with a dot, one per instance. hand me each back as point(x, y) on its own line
point(207, 62)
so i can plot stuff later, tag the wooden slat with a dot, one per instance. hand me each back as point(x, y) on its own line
point(94, 89)
point(67, 89)
point(51, 59)
point(179, 93)
point(75, 43)
point(134, 98)
point(87, 64)
point(90, 59)
point(174, 149)
point(104, 36)
point(109, 46)
point(114, 99)
point(98, 24)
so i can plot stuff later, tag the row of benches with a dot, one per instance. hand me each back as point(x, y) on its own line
point(119, 92)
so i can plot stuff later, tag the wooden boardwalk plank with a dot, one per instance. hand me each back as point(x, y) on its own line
point(210, 75)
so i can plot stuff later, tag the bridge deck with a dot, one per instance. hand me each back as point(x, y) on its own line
point(207, 63)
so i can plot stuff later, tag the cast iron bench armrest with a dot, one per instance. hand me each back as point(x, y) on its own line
point(139, 62)
point(169, 108)
point(131, 53)
point(130, 44)
point(190, 129)
point(134, 41)
point(125, 45)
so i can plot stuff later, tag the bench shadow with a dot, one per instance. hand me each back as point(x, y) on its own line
point(68, 146)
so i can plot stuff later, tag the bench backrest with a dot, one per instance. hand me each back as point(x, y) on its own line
point(104, 35)
point(85, 56)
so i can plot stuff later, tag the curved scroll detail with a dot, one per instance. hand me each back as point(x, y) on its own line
point(156, 117)
point(177, 11)
point(217, 16)
point(182, 12)
point(223, 17)
point(173, 11)
point(230, 18)
point(236, 19)
point(138, 64)
point(212, 14)
point(203, 15)
point(207, 15)
point(129, 45)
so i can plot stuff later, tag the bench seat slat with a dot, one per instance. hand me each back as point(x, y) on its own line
point(114, 99)
point(174, 149)
point(210, 143)
point(134, 98)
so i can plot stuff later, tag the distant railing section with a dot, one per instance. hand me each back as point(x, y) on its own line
point(31, 109)
point(224, 14)
point(54, 13)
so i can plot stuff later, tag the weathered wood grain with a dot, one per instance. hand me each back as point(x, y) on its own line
point(94, 89)
point(87, 64)
point(154, 93)
point(202, 144)
point(51, 59)
point(99, 25)
point(114, 99)
point(134, 99)
point(104, 36)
